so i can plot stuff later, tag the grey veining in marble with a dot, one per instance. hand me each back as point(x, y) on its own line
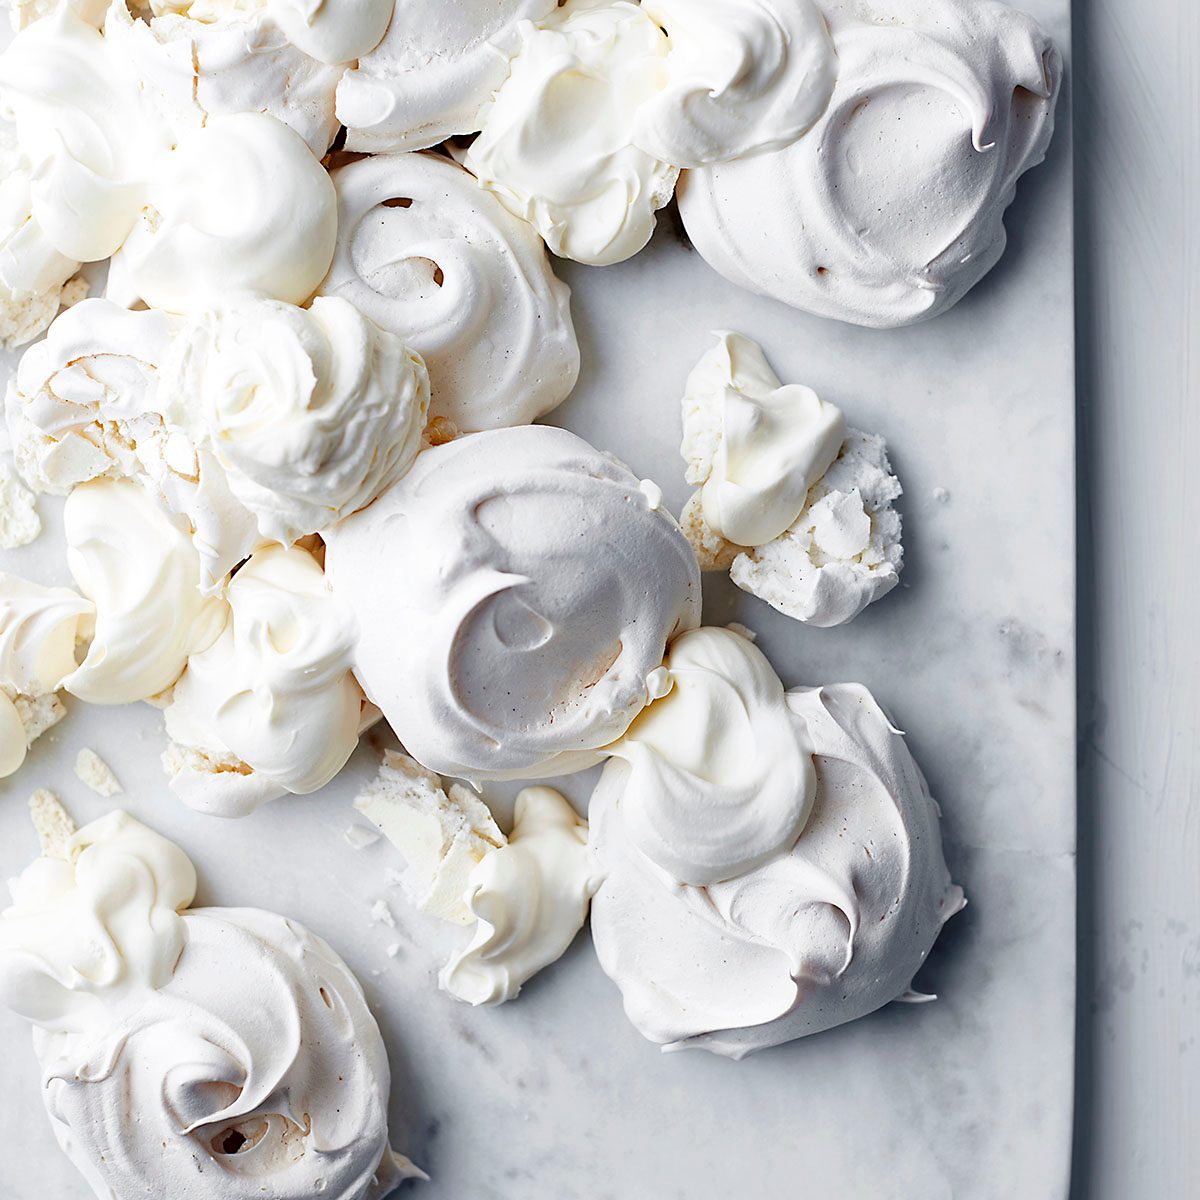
point(555, 1095)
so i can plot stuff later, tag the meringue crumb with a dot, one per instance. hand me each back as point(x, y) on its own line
point(713, 552)
point(393, 951)
point(24, 318)
point(360, 837)
point(440, 430)
point(54, 825)
point(19, 520)
point(92, 770)
point(941, 495)
point(38, 713)
point(382, 915)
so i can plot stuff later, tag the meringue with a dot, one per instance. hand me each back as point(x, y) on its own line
point(823, 933)
point(202, 1053)
point(515, 590)
point(142, 573)
point(240, 205)
point(92, 771)
point(744, 76)
point(557, 142)
point(19, 521)
point(425, 252)
point(310, 413)
point(843, 551)
point(432, 74)
point(529, 899)
point(442, 832)
point(754, 446)
point(892, 207)
point(274, 689)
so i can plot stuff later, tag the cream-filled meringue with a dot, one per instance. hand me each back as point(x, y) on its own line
point(231, 59)
point(425, 252)
point(140, 570)
point(274, 690)
point(557, 145)
point(197, 1053)
point(515, 592)
point(239, 206)
point(826, 931)
point(432, 74)
point(743, 76)
point(843, 551)
point(892, 207)
point(442, 831)
point(753, 446)
point(311, 413)
point(529, 899)
point(720, 774)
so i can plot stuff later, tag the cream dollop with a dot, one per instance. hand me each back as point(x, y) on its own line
point(529, 898)
point(39, 629)
point(514, 591)
point(892, 207)
point(753, 445)
point(557, 141)
point(140, 570)
point(205, 1053)
point(744, 76)
point(240, 205)
point(432, 74)
point(720, 769)
point(274, 689)
point(311, 413)
point(826, 931)
point(426, 253)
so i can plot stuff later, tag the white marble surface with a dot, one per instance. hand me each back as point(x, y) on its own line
point(555, 1094)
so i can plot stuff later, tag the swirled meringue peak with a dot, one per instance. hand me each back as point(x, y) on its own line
point(202, 1054)
point(744, 76)
point(515, 591)
point(892, 207)
point(427, 253)
point(140, 570)
point(432, 74)
point(273, 695)
point(720, 775)
point(240, 205)
point(311, 413)
point(557, 144)
point(826, 931)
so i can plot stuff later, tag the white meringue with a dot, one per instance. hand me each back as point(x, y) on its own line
point(754, 446)
point(557, 140)
point(202, 1054)
point(529, 898)
point(744, 76)
point(821, 934)
point(892, 207)
point(428, 254)
point(515, 590)
point(720, 769)
point(13, 741)
point(239, 61)
point(431, 75)
point(39, 629)
point(274, 690)
point(843, 551)
point(142, 573)
point(310, 413)
point(239, 206)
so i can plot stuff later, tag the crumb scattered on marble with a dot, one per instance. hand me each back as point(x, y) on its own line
point(382, 915)
point(361, 836)
point(941, 495)
point(54, 825)
point(19, 520)
point(97, 774)
point(393, 951)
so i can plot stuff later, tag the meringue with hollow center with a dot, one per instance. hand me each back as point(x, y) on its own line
point(198, 1053)
point(557, 141)
point(425, 252)
point(514, 591)
point(892, 206)
point(830, 928)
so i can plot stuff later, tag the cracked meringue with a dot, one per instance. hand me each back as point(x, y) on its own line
point(892, 207)
point(831, 928)
point(197, 1053)
point(515, 590)
point(425, 252)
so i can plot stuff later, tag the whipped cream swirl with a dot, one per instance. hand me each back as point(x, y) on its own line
point(902, 184)
point(424, 252)
point(824, 932)
point(39, 629)
point(515, 590)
